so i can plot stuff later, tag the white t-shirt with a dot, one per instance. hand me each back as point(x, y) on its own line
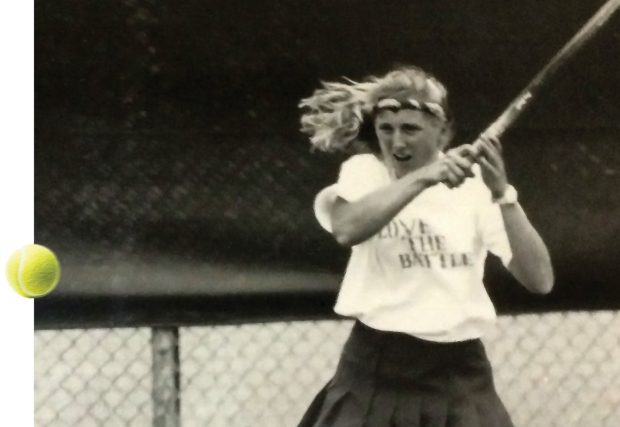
point(422, 273)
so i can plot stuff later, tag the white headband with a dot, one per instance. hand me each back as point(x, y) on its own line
point(430, 107)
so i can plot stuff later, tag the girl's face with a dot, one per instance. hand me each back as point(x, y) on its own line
point(408, 138)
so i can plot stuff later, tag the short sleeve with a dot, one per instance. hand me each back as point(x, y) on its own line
point(359, 175)
point(493, 231)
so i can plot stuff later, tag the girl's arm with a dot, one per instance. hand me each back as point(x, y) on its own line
point(530, 263)
point(355, 222)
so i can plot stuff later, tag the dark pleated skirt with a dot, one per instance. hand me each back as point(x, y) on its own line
point(387, 379)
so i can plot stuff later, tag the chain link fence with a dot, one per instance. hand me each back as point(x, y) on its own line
point(93, 377)
point(554, 369)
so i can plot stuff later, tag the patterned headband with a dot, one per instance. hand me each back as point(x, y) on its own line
point(394, 105)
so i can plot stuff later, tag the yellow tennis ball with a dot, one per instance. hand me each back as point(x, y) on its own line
point(33, 271)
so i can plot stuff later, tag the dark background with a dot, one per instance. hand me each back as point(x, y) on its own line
point(172, 180)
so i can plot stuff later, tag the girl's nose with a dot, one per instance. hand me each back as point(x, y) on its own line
point(398, 141)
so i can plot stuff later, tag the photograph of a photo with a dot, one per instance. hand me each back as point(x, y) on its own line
point(345, 213)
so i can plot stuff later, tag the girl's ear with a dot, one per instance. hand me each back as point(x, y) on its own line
point(446, 135)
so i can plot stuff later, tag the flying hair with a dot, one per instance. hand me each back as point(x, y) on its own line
point(336, 112)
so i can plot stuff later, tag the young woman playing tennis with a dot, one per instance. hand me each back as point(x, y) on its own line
point(420, 221)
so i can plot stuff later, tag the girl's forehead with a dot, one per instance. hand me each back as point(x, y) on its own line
point(404, 115)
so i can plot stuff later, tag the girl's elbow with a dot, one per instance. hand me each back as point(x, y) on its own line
point(535, 272)
point(343, 238)
point(543, 284)
point(347, 236)
point(538, 279)
point(542, 288)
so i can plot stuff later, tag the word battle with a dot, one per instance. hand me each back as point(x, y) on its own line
point(424, 247)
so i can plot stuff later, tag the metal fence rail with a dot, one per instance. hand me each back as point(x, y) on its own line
point(554, 369)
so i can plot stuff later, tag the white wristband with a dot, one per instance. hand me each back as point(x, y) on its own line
point(510, 196)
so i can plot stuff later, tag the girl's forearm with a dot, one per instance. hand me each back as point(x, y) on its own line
point(531, 262)
point(355, 222)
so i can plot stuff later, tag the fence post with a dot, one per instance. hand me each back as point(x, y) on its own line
point(166, 372)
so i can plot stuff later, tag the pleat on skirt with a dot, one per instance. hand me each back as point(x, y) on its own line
point(388, 379)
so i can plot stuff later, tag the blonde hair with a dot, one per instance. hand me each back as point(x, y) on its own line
point(334, 115)
point(410, 82)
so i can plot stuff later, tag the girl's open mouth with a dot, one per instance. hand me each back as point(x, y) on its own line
point(402, 157)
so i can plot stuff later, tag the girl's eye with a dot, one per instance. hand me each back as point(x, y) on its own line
point(411, 128)
point(386, 128)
